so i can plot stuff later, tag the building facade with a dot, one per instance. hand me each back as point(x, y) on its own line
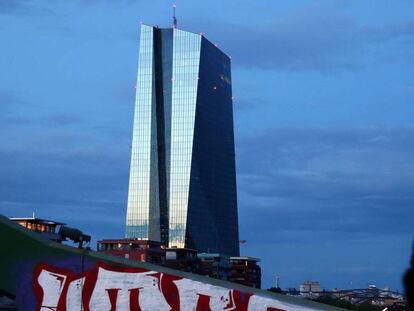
point(214, 265)
point(47, 228)
point(245, 270)
point(182, 188)
point(141, 250)
point(310, 287)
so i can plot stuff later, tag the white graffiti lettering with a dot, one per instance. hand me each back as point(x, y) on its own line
point(128, 289)
point(116, 288)
point(52, 285)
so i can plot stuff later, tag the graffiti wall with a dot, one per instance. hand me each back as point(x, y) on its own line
point(105, 287)
point(45, 276)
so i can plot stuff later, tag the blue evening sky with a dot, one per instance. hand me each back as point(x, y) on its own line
point(324, 124)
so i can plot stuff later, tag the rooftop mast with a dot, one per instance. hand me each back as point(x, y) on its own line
point(174, 18)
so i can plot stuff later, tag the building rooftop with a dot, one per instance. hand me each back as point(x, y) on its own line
point(35, 220)
point(201, 34)
point(211, 255)
point(247, 258)
point(127, 241)
point(181, 251)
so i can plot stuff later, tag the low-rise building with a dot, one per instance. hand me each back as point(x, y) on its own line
point(134, 249)
point(214, 265)
point(47, 228)
point(184, 259)
point(245, 270)
point(241, 270)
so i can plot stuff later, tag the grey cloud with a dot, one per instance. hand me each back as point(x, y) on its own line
point(77, 186)
point(100, 2)
point(23, 7)
point(393, 31)
point(357, 181)
point(62, 120)
point(10, 106)
point(18, 120)
point(321, 41)
point(9, 99)
point(10, 6)
point(47, 167)
point(16, 111)
point(33, 7)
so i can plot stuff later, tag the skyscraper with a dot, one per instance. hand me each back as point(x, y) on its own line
point(182, 187)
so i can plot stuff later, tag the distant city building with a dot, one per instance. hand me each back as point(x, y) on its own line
point(372, 294)
point(310, 287)
point(182, 187)
point(245, 270)
point(47, 228)
point(141, 250)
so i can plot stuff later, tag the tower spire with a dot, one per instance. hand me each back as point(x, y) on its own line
point(174, 18)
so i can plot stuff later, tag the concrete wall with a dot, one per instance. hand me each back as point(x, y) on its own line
point(44, 275)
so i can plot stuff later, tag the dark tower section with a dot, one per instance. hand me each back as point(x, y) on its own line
point(159, 98)
point(212, 223)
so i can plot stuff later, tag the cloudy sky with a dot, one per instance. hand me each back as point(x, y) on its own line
point(324, 124)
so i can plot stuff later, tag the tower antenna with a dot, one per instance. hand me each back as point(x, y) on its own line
point(174, 18)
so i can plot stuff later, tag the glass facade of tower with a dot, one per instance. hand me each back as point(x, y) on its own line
point(182, 188)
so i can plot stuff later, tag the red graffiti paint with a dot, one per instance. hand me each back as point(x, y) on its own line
point(134, 299)
point(203, 303)
point(111, 288)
